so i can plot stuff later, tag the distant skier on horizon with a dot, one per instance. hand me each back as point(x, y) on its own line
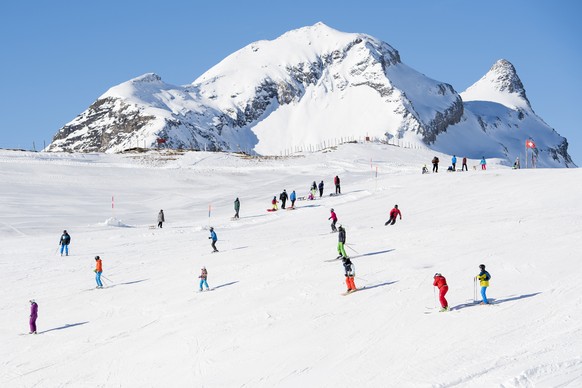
point(64, 242)
point(441, 283)
point(293, 198)
point(320, 189)
point(283, 197)
point(395, 212)
point(483, 164)
point(454, 163)
point(161, 218)
point(336, 182)
point(464, 166)
point(435, 164)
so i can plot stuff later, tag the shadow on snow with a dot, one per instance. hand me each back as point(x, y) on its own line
point(494, 301)
point(377, 285)
point(226, 284)
point(373, 253)
point(64, 327)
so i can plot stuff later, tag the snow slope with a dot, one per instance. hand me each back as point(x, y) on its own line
point(277, 316)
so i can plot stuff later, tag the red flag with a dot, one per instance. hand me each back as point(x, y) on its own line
point(530, 144)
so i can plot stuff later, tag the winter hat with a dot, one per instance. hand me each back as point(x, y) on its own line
point(96, 257)
point(396, 206)
point(211, 228)
point(65, 231)
point(332, 209)
point(482, 266)
point(32, 301)
point(437, 274)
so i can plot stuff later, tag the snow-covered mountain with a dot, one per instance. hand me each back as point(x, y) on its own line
point(315, 85)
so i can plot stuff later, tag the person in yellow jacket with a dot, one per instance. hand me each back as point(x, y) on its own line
point(483, 277)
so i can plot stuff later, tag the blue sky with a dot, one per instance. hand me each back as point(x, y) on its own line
point(59, 56)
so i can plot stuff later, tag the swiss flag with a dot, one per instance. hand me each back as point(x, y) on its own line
point(530, 144)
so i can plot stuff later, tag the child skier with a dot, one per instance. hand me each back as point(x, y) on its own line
point(214, 239)
point(33, 316)
point(333, 219)
point(483, 282)
point(393, 214)
point(98, 271)
point(441, 283)
point(340, 244)
point(64, 242)
point(483, 164)
point(350, 272)
point(274, 203)
point(202, 278)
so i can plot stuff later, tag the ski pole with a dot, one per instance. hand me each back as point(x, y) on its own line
point(352, 249)
point(105, 277)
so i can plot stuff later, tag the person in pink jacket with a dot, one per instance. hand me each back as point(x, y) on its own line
point(333, 218)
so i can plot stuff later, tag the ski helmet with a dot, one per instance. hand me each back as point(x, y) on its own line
point(332, 209)
point(437, 274)
point(96, 257)
point(65, 231)
point(482, 266)
point(396, 206)
point(211, 228)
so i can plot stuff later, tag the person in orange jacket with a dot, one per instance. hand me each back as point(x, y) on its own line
point(441, 283)
point(98, 271)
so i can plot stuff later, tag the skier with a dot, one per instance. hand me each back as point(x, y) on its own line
point(483, 282)
point(333, 218)
point(161, 218)
point(33, 316)
point(393, 214)
point(435, 164)
point(441, 283)
point(202, 278)
point(341, 240)
point(336, 182)
point(236, 207)
point(464, 166)
point(98, 271)
point(64, 242)
point(424, 169)
point(293, 197)
point(313, 190)
point(483, 164)
point(214, 239)
point(274, 203)
point(516, 164)
point(454, 163)
point(320, 189)
point(350, 272)
point(283, 197)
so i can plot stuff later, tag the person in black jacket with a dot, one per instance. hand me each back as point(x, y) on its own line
point(64, 242)
point(435, 164)
point(341, 242)
point(336, 182)
point(283, 197)
point(320, 189)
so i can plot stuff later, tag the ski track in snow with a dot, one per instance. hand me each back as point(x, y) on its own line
point(276, 316)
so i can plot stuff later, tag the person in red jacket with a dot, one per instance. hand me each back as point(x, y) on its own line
point(393, 214)
point(441, 283)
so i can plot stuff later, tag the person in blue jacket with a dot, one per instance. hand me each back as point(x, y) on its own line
point(483, 164)
point(214, 239)
point(454, 163)
point(483, 282)
point(293, 197)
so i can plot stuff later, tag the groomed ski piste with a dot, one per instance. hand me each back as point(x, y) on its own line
point(276, 316)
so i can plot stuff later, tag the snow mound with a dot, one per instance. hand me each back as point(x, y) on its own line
point(112, 221)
